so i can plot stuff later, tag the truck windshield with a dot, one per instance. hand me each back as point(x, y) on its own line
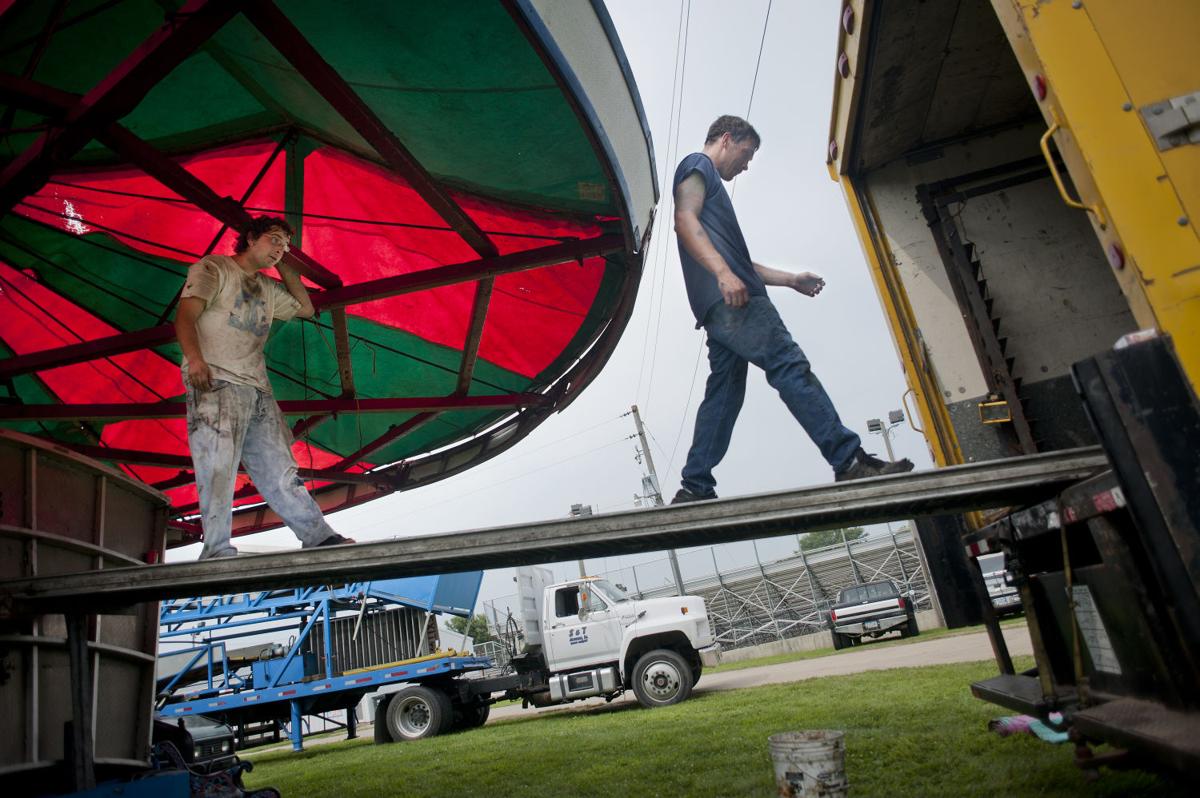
point(870, 592)
point(611, 591)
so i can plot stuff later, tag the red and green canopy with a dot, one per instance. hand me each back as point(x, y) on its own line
point(470, 223)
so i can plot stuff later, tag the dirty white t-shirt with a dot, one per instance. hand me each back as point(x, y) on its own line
point(238, 311)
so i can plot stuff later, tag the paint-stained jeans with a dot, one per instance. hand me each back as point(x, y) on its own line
point(232, 423)
point(755, 334)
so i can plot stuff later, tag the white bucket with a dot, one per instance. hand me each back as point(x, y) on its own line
point(810, 764)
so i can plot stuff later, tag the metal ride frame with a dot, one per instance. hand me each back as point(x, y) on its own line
point(310, 613)
point(74, 120)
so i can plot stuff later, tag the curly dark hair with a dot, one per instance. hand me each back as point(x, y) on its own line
point(260, 225)
point(736, 127)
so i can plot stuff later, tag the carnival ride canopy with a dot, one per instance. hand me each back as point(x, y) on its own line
point(470, 197)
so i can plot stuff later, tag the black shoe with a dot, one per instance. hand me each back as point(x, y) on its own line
point(868, 465)
point(336, 540)
point(684, 496)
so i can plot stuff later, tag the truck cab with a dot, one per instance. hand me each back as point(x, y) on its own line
point(594, 639)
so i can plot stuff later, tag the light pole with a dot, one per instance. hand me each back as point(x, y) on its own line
point(895, 419)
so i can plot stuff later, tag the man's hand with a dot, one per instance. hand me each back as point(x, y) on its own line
point(733, 289)
point(295, 286)
point(808, 283)
point(199, 375)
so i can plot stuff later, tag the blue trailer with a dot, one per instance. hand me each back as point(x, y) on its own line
point(343, 643)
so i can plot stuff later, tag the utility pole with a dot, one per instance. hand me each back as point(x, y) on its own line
point(578, 511)
point(657, 497)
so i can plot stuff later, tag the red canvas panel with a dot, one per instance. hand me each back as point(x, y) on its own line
point(533, 314)
point(179, 225)
point(33, 318)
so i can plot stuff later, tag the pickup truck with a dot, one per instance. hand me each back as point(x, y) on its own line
point(582, 638)
point(870, 610)
point(1005, 598)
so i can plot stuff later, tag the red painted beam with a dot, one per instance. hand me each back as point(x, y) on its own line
point(466, 272)
point(394, 432)
point(115, 96)
point(135, 457)
point(407, 404)
point(338, 297)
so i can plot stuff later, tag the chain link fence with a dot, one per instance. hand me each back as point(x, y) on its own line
point(757, 603)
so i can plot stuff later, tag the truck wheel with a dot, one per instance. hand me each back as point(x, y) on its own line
point(418, 712)
point(661, 678)
point(838, 642)
point(475, 715)
point(382, 735)
point(911, 629)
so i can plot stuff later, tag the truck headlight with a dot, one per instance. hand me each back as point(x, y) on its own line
point(225, 746)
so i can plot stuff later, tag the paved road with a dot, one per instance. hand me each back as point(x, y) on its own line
point(938, 651)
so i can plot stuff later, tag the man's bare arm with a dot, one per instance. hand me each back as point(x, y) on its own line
point(295, 287)
point(689, 201)
point(189, 311)
point(806, 283)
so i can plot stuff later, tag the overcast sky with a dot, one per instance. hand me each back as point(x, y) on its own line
point(793, 216)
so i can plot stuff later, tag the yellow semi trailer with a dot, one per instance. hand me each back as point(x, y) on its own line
point(1024, 177)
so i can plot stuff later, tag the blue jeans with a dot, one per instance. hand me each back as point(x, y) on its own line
point(234, 423)
point(755, 334)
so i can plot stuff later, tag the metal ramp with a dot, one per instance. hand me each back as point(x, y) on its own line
point(957, 489)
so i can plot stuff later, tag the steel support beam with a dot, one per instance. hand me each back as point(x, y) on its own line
point(161, 460)
point(115, 96)
point(404, 404)
point(326, 300)
point(996, 483)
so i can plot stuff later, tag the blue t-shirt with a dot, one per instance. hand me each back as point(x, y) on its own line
point(720, 222)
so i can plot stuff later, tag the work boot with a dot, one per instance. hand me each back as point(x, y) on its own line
point(684, 496)
point(868, 465)
point(337, 540)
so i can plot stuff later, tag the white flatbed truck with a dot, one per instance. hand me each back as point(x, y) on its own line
point(582, 638)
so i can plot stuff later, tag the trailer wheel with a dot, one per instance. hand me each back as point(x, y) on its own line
point(382, 735)
point(661, 678)
point(418, 712)
point(475, 715)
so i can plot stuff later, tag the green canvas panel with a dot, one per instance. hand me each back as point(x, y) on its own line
point(125, 288)
point(461, 86)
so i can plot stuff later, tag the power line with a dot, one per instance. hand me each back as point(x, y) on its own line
point(758, 63)
point(672, 122)
point(672, 153)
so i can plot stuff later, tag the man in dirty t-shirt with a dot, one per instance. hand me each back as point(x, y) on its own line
point(225, 314)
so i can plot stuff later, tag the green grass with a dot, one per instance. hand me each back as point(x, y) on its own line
point(893, 640)
point(910, 732)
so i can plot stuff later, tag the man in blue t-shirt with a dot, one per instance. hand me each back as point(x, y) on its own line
point(728, 295)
